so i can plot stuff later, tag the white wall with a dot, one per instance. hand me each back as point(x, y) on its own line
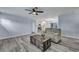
point(3, 32)
point(15, 25)
point(69, 23)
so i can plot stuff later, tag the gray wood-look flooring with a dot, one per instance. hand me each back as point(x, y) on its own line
point(23, 45)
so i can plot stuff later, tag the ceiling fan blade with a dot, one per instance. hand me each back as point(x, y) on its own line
point(36, 13)
point(28, 10)
point(40, 11)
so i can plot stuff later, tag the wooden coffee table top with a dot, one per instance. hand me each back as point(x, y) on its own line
point(40, 38)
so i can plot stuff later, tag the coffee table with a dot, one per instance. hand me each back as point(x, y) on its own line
point(42, 43)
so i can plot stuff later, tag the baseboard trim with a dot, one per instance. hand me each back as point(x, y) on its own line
point(13, 36)
point(71, 37)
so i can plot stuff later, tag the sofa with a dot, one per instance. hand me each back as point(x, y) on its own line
point(54, 34)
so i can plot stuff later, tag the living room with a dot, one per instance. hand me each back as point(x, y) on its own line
point(22, 28)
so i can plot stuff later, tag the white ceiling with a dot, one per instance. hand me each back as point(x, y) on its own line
point(49, 12)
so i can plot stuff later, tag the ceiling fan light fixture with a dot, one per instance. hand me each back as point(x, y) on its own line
point(34, 13)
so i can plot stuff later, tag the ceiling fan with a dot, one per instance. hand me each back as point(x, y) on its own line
point(34, 10)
